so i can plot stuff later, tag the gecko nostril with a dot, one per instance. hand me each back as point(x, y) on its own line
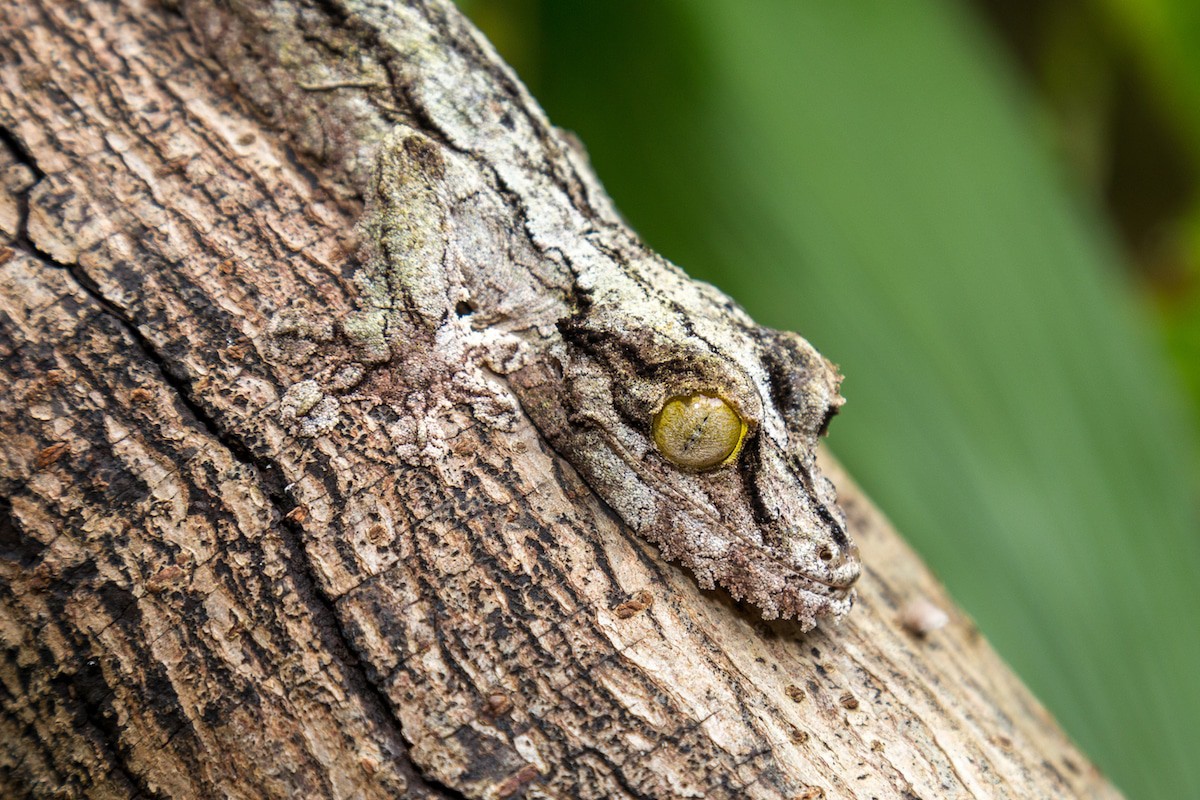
point(825, 554)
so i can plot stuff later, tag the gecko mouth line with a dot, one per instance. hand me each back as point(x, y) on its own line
point(818, 586)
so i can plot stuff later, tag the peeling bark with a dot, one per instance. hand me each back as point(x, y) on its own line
point(197, 602)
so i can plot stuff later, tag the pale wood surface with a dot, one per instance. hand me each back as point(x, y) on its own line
point(196, 602)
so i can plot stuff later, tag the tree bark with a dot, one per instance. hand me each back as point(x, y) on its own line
point(197, 601)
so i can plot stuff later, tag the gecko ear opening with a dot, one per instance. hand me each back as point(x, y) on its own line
point(698, 432)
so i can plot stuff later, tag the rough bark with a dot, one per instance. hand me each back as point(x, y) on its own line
point(196, 601)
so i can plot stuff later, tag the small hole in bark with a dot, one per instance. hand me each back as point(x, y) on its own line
point(464, 308)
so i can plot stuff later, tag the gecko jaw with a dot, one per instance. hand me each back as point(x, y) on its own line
point(825, 588)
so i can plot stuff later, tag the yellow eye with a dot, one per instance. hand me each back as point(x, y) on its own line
point(698, 431)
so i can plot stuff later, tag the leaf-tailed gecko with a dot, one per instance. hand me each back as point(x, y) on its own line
point(696, 425)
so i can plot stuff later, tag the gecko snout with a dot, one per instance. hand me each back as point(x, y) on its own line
point(840, 563)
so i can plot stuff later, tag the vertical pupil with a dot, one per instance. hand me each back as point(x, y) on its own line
point(696, 434)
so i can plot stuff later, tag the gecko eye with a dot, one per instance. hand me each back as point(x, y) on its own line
point(698, 431)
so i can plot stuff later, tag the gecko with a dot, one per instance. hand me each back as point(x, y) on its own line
point(694, 424)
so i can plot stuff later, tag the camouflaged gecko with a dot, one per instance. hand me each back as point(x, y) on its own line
point(697, 426)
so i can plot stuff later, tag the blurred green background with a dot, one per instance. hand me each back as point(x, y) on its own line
point(988, 214)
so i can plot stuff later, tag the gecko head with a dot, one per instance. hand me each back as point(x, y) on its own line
point(700, 430)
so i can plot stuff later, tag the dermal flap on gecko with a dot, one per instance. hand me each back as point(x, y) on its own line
point(697, 426)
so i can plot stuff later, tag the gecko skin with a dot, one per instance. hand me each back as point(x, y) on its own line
point(593, 333)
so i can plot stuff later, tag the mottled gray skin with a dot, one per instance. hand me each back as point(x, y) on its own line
point(592, 333)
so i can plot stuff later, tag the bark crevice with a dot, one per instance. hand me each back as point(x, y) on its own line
point(268, 474)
